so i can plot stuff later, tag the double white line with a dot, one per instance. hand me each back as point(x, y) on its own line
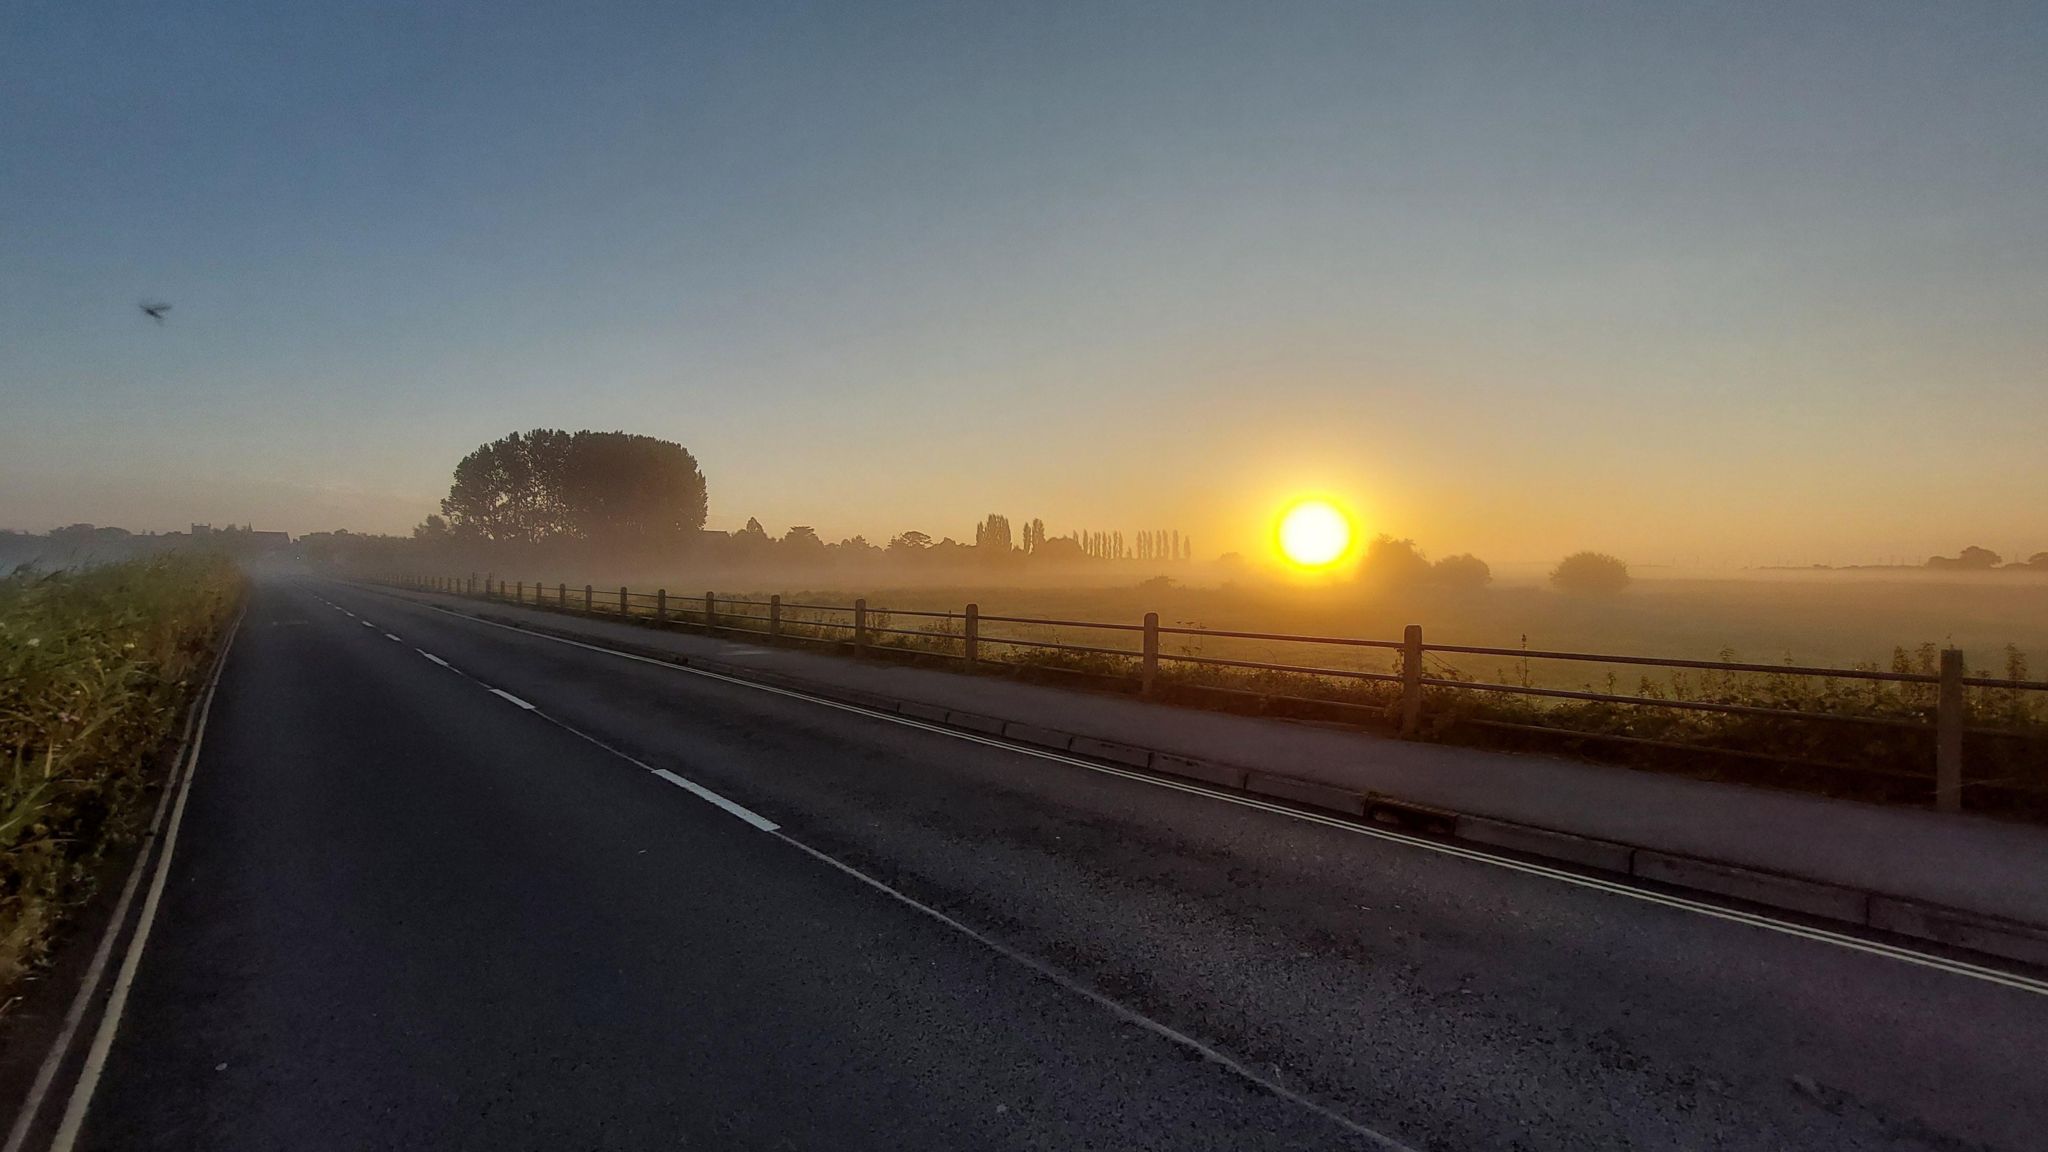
point(110, 1021)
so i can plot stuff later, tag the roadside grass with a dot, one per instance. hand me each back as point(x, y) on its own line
point(96, 666)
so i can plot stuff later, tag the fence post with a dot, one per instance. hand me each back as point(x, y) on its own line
point(624, 608)
point(519, 592)
point(710, 612)
point(661, 607)
point(860, 625)
point(971, 636)
point(471, 589)
point(1411, 680)
point(1948, 734)
point(586, 599)
point(775, 616)
point(1148, 668)
point(561, 595)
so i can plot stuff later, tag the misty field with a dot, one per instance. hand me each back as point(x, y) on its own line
point(1837, 622)
point(1847, 623)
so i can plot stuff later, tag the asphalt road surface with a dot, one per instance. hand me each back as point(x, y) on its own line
point(442, 884)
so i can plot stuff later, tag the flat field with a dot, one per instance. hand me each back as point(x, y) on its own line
point(1836, 621)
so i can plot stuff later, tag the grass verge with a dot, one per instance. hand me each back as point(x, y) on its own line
point(96, 668)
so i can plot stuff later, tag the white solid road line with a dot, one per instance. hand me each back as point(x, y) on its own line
point(1697, 907)
point(1123, 1012)
point(512, 698)
point(431, 656)
point(117, 1000)
point(703, 793)
point(47, 1073)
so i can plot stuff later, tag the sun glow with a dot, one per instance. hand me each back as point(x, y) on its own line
point(1314, 534)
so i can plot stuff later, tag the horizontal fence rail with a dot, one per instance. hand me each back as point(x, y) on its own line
point(1939, 707)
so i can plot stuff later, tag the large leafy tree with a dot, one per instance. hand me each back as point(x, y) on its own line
point(611, 488)
point(623, 489)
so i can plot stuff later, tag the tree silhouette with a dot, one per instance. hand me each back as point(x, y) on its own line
point(1461, 571)
point(1973, 559)
point(510, 488)
point(1394, 563)
point(622, 489)
point(1593, 573)
point(993, 533)
point(613, 488)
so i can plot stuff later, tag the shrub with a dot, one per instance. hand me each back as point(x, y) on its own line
point(1461, 571)
point(1591, 573)
point(1394, 563)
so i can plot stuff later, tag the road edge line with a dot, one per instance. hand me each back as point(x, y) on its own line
point(117, 1000)
point(88, 989)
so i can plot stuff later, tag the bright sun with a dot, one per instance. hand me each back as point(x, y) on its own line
point(1315, 533)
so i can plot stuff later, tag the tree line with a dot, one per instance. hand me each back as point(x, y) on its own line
point(644, 495)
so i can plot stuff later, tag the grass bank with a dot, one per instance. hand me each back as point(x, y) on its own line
point(96, 668)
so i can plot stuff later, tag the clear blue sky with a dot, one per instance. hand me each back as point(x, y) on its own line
point(1738, 282)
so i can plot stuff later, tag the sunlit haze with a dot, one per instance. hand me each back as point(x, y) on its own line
point(1716, 286)
point(1314, 534)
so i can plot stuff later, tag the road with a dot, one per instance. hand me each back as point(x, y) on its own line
point(444, 884)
